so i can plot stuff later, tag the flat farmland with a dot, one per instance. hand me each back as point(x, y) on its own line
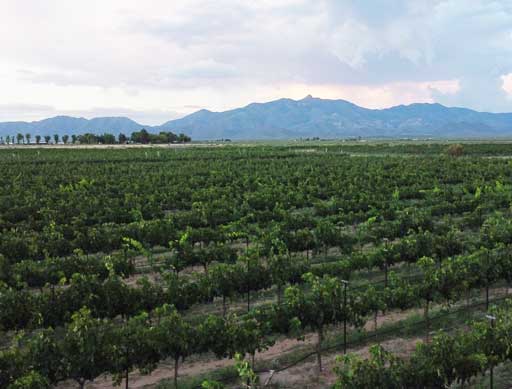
point(287, 264)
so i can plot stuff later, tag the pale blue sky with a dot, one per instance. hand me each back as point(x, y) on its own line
point(155, 59)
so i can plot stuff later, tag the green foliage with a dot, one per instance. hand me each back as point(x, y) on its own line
point(248, 377)
point(381, 370)
point(75, 223)
point(448, 359)
point(208, 384)
point(85, 347)
point(144, 137)
point(32, 380)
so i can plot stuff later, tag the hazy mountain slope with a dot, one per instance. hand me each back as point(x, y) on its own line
point(310, 117)
point(286, 118)
point(70, 125)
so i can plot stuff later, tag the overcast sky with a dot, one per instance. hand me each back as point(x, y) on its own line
point(154, 60)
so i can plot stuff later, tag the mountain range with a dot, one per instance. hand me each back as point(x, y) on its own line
point(287, 119)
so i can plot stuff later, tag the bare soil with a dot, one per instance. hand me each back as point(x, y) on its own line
point(306, 375)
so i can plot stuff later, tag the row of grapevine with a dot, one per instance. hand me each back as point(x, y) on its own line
point(448, 359)
point(324, 302)
point(82, 207)
point(112, 297)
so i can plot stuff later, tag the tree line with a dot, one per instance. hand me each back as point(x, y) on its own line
point(142, 136)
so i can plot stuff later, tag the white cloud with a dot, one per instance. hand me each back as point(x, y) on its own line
point(507, 84)
point(165, 56)
point(33, 112)
point(29, 112)
point(376, 97)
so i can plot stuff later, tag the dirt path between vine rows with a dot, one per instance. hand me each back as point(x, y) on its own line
point(306, 375)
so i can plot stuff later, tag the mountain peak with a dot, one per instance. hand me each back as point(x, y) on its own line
point(288, 119)
point(328, 119)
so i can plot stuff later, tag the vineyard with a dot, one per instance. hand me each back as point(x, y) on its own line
point(314, 264)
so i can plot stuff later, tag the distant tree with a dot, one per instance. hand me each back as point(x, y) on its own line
point(19, 138)
point(65, 139)
point(455, 150)
point(122, 138)
point(56, 138)
point(8, 139)
point(74, 138)
point(88, 139)
point(27, 137)
point(182, 138)
point(47, 139)
point(165, 137)
point(141, 136)
point(107, 139)
point(144, 137)
point(1, 140)
point(38, 139)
